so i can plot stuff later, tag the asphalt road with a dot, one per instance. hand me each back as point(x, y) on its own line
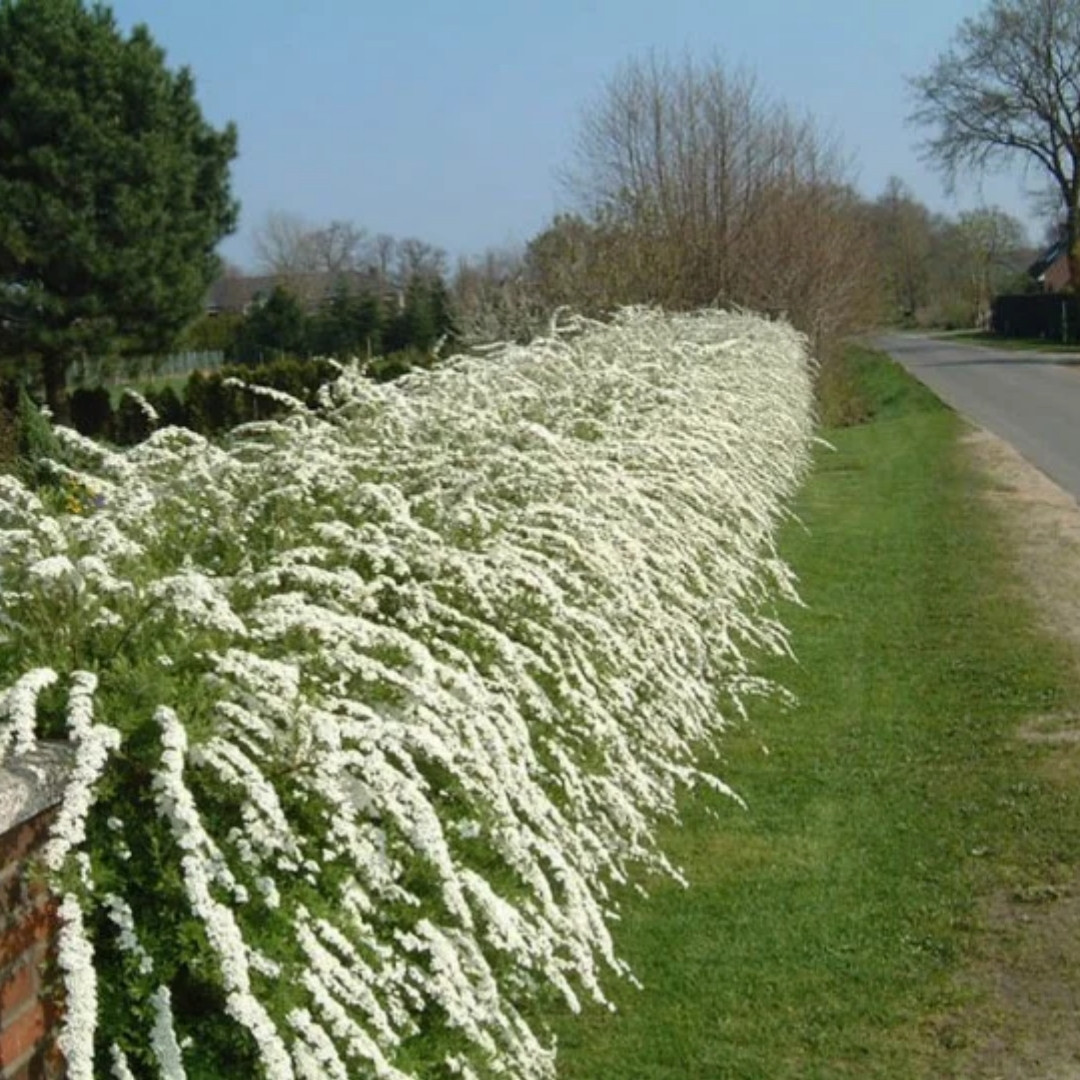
point(1031, 400)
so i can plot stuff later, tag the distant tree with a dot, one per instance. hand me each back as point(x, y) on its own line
point(281, 245)
point(114, 191)
point(418, 259)
point(286, 244)
point(340, 247)
point(211, 333)
point(1009, 90)
point(425, 316)
point(349, 324)
point(497, 298)
point(299, 254)
point(577, 261)
point(441, 309)
point(368, 319)
point(694, 187)
point(330, 331)
point(276, 326)
point(904, 234)
point(989, 241)
point(384, 251)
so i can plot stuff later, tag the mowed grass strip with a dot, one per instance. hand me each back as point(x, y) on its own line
point(826, 924)
point(1020, 345)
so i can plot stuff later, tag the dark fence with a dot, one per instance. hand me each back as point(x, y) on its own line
point(1042, 316)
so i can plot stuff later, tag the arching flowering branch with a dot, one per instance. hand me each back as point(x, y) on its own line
point(376, 704)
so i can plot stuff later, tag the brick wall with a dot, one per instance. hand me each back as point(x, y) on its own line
point(27, 957)
point(29, 790)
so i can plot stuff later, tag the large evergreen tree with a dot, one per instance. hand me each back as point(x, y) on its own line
point(114, 190)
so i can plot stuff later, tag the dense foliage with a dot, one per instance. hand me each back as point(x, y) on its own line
point(114, 191)
point(373, 705)
point(352, 320)
point(209, 403)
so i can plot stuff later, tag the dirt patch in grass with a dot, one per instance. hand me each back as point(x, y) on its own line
point(1043, 525)
point(1024, 1021)
point(1023, 1017)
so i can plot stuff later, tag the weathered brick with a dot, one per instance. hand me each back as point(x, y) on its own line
point(28, 924)
point(13, 895)
point(20, 985)
point(46, 1063)
point(21, 1037)
point(21, 892)
point(25, 839)
point(36, 926)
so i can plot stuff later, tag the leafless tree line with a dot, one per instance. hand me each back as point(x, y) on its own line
point(943, 271)
point(690, 186)
point(712, 192)
point(693, 187)
point(297, 252)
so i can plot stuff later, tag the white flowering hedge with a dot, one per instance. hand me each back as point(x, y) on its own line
point(374, 706)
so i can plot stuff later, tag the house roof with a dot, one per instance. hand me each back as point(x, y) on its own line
point(1047, 259)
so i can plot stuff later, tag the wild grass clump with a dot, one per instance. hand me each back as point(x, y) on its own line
point(373, 705)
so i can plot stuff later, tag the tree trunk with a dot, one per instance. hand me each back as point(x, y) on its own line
point(54, 378)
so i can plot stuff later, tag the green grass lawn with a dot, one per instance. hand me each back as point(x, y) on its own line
point(825, 924)
point(983, 337)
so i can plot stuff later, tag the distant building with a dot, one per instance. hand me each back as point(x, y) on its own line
point(1051, 268)
point(234, 294)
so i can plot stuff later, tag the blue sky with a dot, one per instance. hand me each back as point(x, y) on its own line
point(451, 120)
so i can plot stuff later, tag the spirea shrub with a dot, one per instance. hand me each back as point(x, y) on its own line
point(374, 706)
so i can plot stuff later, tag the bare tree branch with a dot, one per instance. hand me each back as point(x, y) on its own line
point(695, 188)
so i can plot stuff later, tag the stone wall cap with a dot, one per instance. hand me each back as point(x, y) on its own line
point(33, 782)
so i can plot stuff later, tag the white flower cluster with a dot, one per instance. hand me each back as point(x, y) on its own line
point(166, 1049)
point(145, 407)
point(18, 710)
point(413, 676)
point(279, 397)
point(93, 743)
point(121, 915)
point(75, 955)
point(200, 864)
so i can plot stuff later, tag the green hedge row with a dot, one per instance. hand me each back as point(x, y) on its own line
point(209, 405)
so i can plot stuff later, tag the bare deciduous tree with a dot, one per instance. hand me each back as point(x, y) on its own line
point(281, 245)
point(1008, 89)
point(339, 247)
point(592, 265)
point(418, 259)
point(384, 249)
point(497, 299)
point(988, 241)
point(904, 231)
point(696, 187)
point(291, 249)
